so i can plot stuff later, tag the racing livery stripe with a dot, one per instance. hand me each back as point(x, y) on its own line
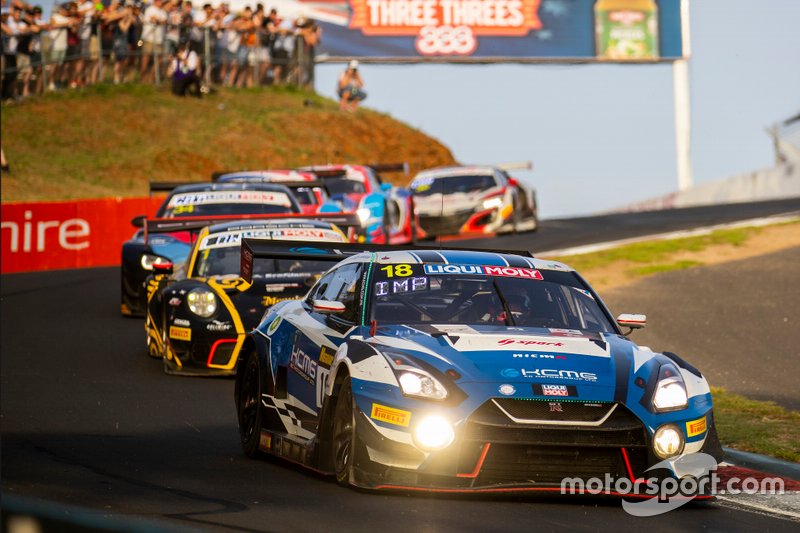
point(428, 256)
point(516, 261)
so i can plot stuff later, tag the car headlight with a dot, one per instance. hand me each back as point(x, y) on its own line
point(670, 394)
point(148, 260)
point(667, 441)
point(421, 384)
point(433, 432)
point(363, 215)
point(491, 203)
point(202, 302)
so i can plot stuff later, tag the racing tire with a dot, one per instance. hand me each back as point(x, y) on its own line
point(248, 404)
point(343, 442)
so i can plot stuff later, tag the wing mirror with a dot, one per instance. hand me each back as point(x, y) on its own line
point(327, 307)
point(138, 221)
point(512, 182)
point(626, 320)
point(163, 268)
point(386, 187)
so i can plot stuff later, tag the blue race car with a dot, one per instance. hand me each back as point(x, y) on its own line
point(460, 371)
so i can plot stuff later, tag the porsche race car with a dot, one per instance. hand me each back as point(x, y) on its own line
point(198, 316)
point(471, 199)
point(450, 370)
point(140, 253)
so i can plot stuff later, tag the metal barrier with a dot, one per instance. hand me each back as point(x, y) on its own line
point(113, 55)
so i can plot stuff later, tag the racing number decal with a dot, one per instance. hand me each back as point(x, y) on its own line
point(180, 209)
point(401, 271)
point(322, 380)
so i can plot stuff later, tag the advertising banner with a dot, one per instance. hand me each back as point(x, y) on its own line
point(493, 30)
point(68, 234)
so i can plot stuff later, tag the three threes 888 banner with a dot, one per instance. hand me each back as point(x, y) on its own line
point(497, 30)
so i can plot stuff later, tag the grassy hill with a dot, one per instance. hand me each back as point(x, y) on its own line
point(112, 140)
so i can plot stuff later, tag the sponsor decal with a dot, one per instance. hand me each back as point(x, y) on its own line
point(267, 301)
point(396, 417)
point(551, 373)
point(181, 322)
point(507, 389)
point(382, 288)
point(564, 391)
point(175, 301)
point(696, 427)
point(303, 365)
point(528, 342)
point(227, 197)
point(555, 407)
point(512, 272)
point(216, 325)
point(538, 356)
point(234, 238)
point(273, 326)
point(280, 287)
point(265, 440)
point(182, 334)
point(560, 332)
point(326, 356)
point(510, 373)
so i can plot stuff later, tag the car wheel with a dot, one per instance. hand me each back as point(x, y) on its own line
point(344, 434)
point(248, 406)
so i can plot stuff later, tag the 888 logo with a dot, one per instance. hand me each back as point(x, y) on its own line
point(446, 40)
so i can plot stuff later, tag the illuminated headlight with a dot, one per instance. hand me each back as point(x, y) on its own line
point(670, 394)
point(434, 432)
point(363, 215)
point(491, 203)
point(202, 302)
point(422, 385)
point(667, 441)
point(148, 260)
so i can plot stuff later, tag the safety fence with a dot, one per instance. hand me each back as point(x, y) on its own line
point(45, 60)
point(68, 234)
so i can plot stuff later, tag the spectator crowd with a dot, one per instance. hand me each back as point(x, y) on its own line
point(85, 42)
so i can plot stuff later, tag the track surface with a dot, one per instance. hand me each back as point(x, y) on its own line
point(88, 419)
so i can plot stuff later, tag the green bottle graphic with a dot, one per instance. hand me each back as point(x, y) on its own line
point(626, 29)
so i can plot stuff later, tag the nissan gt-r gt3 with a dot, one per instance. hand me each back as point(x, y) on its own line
point(460, 370)
point(197, 317)
point(139, 254)
point(472, 199)
point(385, 211)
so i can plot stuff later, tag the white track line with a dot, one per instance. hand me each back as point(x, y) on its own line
point(732, 502)
point(591, 248)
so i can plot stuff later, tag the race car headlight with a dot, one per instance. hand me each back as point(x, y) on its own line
point(421, 384)
point(670, 394)
point(202, 302)
point(148, 260)
point(363, 215)
point(433, 432)
point(491, 203)
point(667, 441)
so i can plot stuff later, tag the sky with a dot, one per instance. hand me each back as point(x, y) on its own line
point(601, 136)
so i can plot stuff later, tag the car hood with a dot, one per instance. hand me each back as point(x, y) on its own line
point(596, 365)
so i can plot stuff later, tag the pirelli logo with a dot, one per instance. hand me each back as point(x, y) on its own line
point(392, 416)
point(696, 427)
point(181, 334)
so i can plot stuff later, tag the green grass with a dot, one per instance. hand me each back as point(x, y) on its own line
point(756, 426)
point(663, 267)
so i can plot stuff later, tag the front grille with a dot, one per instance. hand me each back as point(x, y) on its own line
point(554, 410)
point(444, 225)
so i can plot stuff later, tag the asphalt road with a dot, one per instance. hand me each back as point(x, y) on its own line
point(88, 419)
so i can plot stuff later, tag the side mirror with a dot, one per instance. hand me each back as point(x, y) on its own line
point(138, 221)
point(162, 268)
point(386, 187)
point(327, 307)
point(512, 182)
point(626, 320)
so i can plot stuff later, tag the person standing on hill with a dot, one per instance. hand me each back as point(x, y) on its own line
point(350, 88)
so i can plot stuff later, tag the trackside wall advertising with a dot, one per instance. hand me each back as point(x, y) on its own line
point(494, 30)
point(68, 234)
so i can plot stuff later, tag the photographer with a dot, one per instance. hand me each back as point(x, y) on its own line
point(350, 88)
point(184, 67)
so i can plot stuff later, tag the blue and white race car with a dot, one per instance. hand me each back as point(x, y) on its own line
point(460, 371)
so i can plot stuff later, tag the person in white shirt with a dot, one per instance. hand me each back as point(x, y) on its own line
point(59, 23)
point(153, 30)
point(84, 64)
point(185, 67)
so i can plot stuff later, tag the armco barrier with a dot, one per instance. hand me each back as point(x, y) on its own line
point(68, 234)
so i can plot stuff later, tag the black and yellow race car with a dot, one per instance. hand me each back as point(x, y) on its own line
point(198, 315)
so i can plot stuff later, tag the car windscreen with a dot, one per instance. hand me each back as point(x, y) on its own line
point(344, 186)
point(304, 195)
point(233, 202)
point(452, 184)
point(484, 295)
point(227, 260)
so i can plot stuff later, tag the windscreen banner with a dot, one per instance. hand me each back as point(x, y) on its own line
point(68, 234)
point(493, 30)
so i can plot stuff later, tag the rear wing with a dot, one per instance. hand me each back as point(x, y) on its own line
point(253, 249)
point(170, 225)
point(166, 186)
point(519, 165)
point(390, 167)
